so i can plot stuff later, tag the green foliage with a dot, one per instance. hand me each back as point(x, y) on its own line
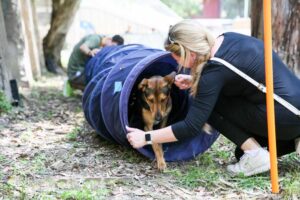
point(291, 180)
point(38, 163)
point(6, 190)
point(260, 182)
point(72, 136)
point(5, 106)
point(84, 194)
point(291, 187)
point(185, 9)
point(2, 158)
point(206, 174)
point(195, 177)
point(76, 194)
point(131, 156)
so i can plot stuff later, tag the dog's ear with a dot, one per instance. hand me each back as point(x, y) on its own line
point(170, 78)
point(143, 84)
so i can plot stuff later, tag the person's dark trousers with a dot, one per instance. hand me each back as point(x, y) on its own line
point(238, 120)
point(78, 82)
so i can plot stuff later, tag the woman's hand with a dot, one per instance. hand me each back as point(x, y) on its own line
point(183, 81)
point(136, 137)
point(93, 52)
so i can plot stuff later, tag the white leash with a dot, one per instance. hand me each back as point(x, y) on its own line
point(260, 86)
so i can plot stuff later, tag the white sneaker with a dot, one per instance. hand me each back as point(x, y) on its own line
point(251, 164)
point(297, 145)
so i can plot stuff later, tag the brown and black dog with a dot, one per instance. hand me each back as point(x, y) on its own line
point(156, 105)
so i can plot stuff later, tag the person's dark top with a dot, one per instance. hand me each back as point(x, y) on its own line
point(247, 54)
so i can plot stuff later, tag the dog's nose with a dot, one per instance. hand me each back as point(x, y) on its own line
point(158, 117)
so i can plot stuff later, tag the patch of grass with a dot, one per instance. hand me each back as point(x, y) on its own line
point(72, 136)
point(38, 163)
point(26, 166)
point(19, 168)
point(2, 158)
point(78, 109)
point(206, 160)
point(1, 175)
point(17, 184)
point(5, 106)
point(76, 194)
point(3, 161)
point(131, 156)
point(291, 185)
point(203, 173)
point(261, 182)
point(224, 155)
point(43, 196)
point(195, 176)
point(291, 189)
point(86, 193)
point(6, 190)
point(289, 168)
point(48, 114)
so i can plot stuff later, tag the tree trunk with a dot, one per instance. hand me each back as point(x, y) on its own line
point(17, 54)
point(38, 37)
point(63, 13)
point(285, 28)
point(4, 70)
point(256, 19)
point(15, 42)
point(30, 37)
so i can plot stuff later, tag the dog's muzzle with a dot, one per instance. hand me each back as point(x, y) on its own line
point(156, 122)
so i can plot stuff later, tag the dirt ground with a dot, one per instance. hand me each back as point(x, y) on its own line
point(47, 151)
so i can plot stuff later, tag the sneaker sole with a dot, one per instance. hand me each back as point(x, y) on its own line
point(258, 170)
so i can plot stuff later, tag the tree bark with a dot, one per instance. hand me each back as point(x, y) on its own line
point(38, 37)
point(15, 42)
point(30, 37)
point(5, 74)
point(256, 19)
point(285, 28)
point(63, 13)
point(17, 58)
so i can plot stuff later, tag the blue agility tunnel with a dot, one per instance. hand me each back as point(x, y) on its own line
point(109, 103)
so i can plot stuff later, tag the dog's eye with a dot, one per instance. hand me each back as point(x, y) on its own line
point(163, 100)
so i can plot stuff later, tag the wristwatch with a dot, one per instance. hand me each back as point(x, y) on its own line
point(148, 138)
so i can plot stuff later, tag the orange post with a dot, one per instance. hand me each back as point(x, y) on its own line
point(270, 92)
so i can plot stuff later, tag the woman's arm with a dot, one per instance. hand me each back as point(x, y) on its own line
point(136, 137)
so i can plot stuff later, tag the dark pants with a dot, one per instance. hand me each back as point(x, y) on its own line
point(78, 82)
point(237, 119)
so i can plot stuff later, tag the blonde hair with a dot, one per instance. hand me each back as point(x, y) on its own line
point(189, 36)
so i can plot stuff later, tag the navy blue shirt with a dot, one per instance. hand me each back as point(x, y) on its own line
point(247, 54)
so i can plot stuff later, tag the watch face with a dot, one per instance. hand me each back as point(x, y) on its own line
point(148, 137)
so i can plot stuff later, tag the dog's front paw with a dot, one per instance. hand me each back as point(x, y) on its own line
point(161, 165)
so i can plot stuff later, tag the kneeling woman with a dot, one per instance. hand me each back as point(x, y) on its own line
point(226, 101)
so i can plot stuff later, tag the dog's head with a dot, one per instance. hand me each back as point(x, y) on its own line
point(155, 97)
